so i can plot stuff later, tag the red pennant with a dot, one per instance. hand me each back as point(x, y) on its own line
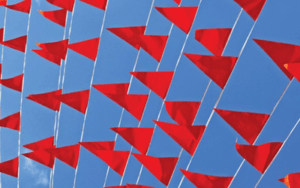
point(252, 7)
point(48, 56)
point(41, 144)
point(65, 4)
point(48, 100)
point(58, 49)
point(3, 2)
point(182, 17)
point(15, 83)
point(42, 157)
point(158, 82)
point(182, 112)
point(138, 137)
point(187, 137)
point(207, 181)
point(118, 186)
point(87, 48)
point(1, 32)
point(67, 154)
point(56, 16)
point(101, 4)
point(10, 167)
point(216, 68)
point(154, 45)
point(77, 100)
point(294, 69)
point(23, 6)
point(214, 40)
point(259, 156)
point(247, 124)
point(161, 168)
point(93, 147)
point(17, 43)
point(291, 180)
point(178, 2)
point(137, 186)
point(12, 121)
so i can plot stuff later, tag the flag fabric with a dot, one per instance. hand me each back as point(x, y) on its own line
point(50, 57)
point(18, 43)
point(101, 4)
point(67, 154)
point(65, 4)
point(87, 48)
point(56, 16)
point(291, 180)
point(93, 147)
point(293, 69)
point(12, 121)
point(23, 6)
point(77, 100)
point(252, 7)
point(41, 144)
point(48, 99)
point(15, 83)
point(58, 49)
point(10, 167)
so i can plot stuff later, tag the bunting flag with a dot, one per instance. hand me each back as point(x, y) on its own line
point(154, 45)
point(67, 154)
point(15, 83)
point(214, 40)
point(281, 53)
point(137, 186)
point(48, 56)
point(252, 7)
point(93, 147)
point(178, 2)
point(215, 67)
point(158, 82)
point(138, 137)
point(1, 33)
point(187, 137)
point(48, 100)
point(23, 6)
point(3, 2)
point(247, 124)
point(294, 69)
point(12, 121)
point(87, 48)
point(17, 43)
point(207, 181)
point(162, 168)
point(10, 167)
point(41, 144)
point(56, 16)
point(182, 112)
point(58, 49)
point(77, 100)
point(291, 180)
point(65, 4)
point(182, 17)
point(134, 104)
point(259, 156)
point(101, 4)
point(117, 186)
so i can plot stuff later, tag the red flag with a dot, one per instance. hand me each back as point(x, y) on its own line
point(23, 6)
point(247, 124)
point(252, 7)
point(10, 167)
point(162, 168)
point(294, 69)
point(154, 45)
point(41, 144)
point(56, 16)
point(207, 181)
point(158, 82)
point(138, 137)
point(177, 2)
point(216, 68)
point(11, 121)
point(58, 49)
point(137, 186)
point(65, 4)
point(17, 43)
point(187, 137)
point(182, 112)
point(77, 100)
point(67, 154)
point(1, 32)
point(3, 2)
point(48, 56)
point(93, 147)
point(117, 186)
point(291, 180)
point(101, 4)
point(259, 156)
point(48, 100)
point(15, 83)
point(182, 17)
point(281, 53)
point(41, 156)
point(87, 48)
point(214, 40)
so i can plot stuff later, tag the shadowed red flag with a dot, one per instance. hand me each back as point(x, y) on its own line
point(58, 49)
point(17, 43)
point(12, 121)
point(50, 57)
point(154, 45)
point(15, 83)
point(252, 7)
point(93, 147)
point(101, 4)
point(67, 154)
point(56, 16)
point(77, 100)
point(23, 6)
point(65, 4)
point(10, 167)
point(48, 99)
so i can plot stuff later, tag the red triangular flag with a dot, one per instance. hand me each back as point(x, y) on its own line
point(23, 6)
point(17, 43)
point(182, 112)
point(154, 45)
point(177, 2)
point(294, 69)
point(158, 82)
point(48, 56)
point(216, 68)
point(101, 4)
point(10, 167)
point(138, 137)
point(247, 124)
point(93, 147)
point(3, 2)
point(187, 137)
point(252, 7)
point(1, 33)
point(117, 186)
point(259, 156)
point(87, 48)
point(15, 83)
point(162, 168)
point(77, 100)
point(41, 144)
point(58, 49)
point(207, 181)
point(48, 100)
point(56, 16)
point(41, 156)
point(291, 180)
point(65, 4)
point(214, 40)
point(67, 154)
point(137, 186)
point(182, 17)
point(12, 121)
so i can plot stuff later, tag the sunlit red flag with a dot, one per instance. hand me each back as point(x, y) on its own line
point(3, 2)
point(177, 2)
point(17, 43)
point(65, 4)
point(101, 4)
point(48, 99)
point(12, 121)
point(154, 45)
point(67, 154)
point(10, 167)
point(291, 180)
point(294, 69)
point(15, 83)
point(87, 48)
point(23, 6)
point(252, 7)
point(56, 16)
point(93, 147)
point(58, 49)
point(48, 56)
point(41, 144)
point(77, 100)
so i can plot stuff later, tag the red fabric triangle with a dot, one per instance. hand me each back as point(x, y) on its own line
point(281, 53)
point(214, 40)
point(187, 137)
point(252, 7)
point(161, 168)
point(138, 137)
point(77, 100)
point(48, 56)
point(182, 17)
point(23, 6)
point(48, 100)
point(87, 48)
point(294, 69)
point(101, 4)
point(118, 186)
point(15, 83)
point(291, 180)
point(42, 157)
point(56, 16)
point(259, 156)
point(216, 68)
point(207, 181)
point(182, 112)
point(247, 124)
point(17, 43)
point(1, 33)
point(93, 147)
point(41, 144)
point(137, 186)
point(177, 2)
point(65, 4)
point(154, 45)
point(158, 82)
point(67, 154)
point(3, 2)
point(12, 121)
point(10, 167)
point(58, 49)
